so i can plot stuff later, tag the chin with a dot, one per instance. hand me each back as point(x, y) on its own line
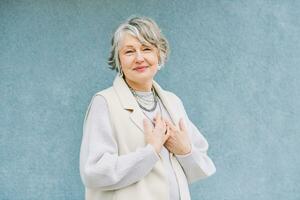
point(142, 78)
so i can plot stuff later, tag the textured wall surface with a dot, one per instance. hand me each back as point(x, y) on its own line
point(235, 64)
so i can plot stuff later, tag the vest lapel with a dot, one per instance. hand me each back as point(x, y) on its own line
point(170, 106)
point(128, 102)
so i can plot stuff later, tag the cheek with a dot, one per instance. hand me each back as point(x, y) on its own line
point(154, 59)
point(125, 61)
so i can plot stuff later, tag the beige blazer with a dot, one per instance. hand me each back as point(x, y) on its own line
point(127, 117)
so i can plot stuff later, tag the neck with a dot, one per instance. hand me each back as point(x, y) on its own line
point(145, 87)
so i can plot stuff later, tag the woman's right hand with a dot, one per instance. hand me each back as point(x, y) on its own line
point(158, 135)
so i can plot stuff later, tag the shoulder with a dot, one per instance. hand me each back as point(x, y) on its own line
point(104, 92)
point(108, 96)
point(99, 98)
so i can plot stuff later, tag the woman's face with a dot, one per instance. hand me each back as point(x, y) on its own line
point(138, 62)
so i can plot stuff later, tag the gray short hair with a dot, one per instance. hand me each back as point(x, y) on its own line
point(146, 31)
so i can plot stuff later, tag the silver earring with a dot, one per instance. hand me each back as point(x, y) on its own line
point(158, 67)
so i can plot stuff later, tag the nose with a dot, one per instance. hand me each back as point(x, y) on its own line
point(139, 56)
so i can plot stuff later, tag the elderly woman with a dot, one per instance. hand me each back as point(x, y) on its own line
point(138, 142)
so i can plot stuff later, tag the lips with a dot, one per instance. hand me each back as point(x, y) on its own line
point(140, 68)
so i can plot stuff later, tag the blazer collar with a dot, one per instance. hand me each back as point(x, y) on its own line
point(129, 103)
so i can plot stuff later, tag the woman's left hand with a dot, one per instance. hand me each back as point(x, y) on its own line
point(178, 141)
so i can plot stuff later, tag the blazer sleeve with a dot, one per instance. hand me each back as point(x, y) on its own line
point(197, 164)
point(100, 165)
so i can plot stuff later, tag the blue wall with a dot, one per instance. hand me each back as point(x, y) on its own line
point(235, 64)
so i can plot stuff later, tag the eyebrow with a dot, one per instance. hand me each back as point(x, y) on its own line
point(143, 45)
point(126, 46)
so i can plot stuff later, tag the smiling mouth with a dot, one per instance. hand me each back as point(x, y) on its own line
point(140, 68)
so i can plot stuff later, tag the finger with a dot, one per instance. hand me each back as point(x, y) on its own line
point(182, 126)
point(159, 122)
point(157, 117)
point(171, 125)
point(167, 128)
point(167, 135)
point(162, 126)
point(147, 126)
point(167, 131)
point(167, 143)
point(166, 121)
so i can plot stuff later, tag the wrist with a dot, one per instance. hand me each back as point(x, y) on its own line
point(185, 151)
point(156, 148)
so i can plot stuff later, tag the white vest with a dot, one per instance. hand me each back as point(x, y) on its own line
point(127, 123)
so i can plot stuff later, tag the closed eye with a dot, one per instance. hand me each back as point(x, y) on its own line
point(128, 52)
